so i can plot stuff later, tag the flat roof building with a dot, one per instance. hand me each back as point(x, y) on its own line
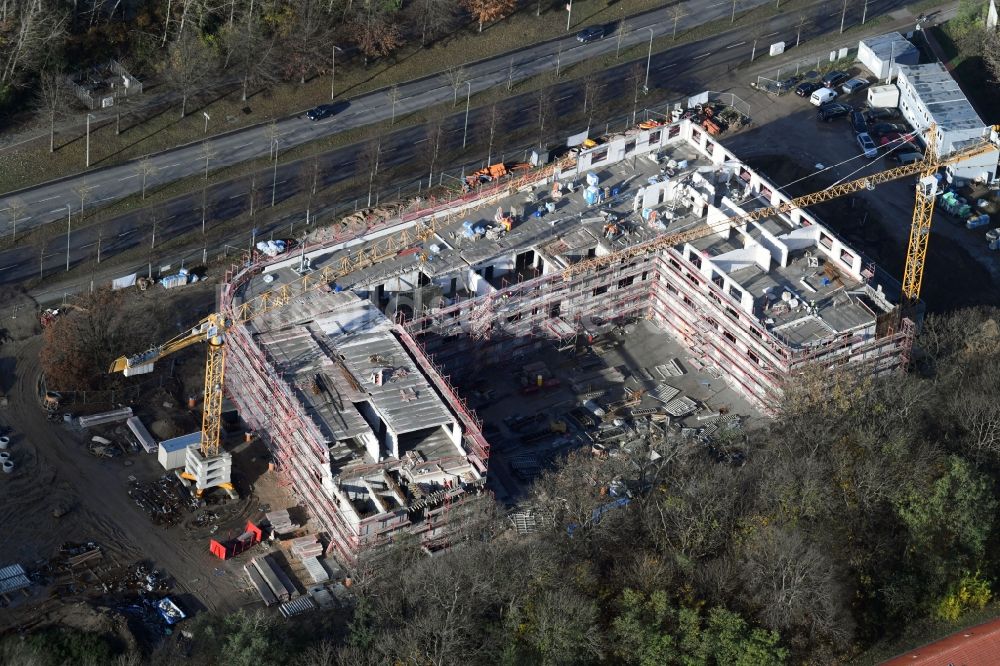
point(928, 94)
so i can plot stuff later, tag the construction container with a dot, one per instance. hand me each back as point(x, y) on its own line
point(883, 96)
point(173, 452)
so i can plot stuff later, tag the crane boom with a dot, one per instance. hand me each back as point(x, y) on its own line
point(913, 274)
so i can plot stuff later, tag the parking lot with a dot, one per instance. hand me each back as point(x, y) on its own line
point(803, 154)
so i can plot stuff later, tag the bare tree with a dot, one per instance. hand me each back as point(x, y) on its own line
point(83, 191)
point(189, 64)
point(368, 163)
point(15, 209)
point(28, 36)
point(272, 132)
point(799, 25)
point(623, 29)
point(991, 53)
point(393, 95)
point(52, 98)
point(591, 88)
point(435, 132)
point(456, 78)
point(637, 77)
point(491, 119)
point(145, 168)
point(544, 107)
point(676, 16)
point(435, 17)
point(249, 54)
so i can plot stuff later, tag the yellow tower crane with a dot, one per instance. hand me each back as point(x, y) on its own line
point(923, 213)
point(212, 330)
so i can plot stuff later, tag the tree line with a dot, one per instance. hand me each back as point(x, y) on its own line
point(866, 507)
point(192, 42)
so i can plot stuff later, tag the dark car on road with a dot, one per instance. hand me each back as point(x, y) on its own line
point(807, 88)
point(320, 112)
point(835, 78)
point(591, 34)
point(858, 122)
point(832, 110)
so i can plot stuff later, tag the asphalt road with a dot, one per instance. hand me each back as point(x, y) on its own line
point(49, 202)
point(688, 68)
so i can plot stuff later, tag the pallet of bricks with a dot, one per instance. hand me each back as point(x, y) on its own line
point(269, 580)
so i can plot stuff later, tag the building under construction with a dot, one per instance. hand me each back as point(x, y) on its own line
point(349, 387)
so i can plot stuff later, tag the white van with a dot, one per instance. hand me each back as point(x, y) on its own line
point(822, 96)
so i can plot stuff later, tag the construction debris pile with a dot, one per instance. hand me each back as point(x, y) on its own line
point(163, 500)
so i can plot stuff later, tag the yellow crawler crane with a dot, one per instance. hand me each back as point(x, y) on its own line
point(923, 213)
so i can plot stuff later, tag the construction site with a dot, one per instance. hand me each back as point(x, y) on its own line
point(649, 282)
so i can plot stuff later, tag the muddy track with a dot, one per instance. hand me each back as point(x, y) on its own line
point(53, 468)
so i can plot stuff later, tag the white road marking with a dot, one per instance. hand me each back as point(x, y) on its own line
point(770, 35)
point(171, 166)
point(125, 233)
point(49, 199)
point(8, 267)
point(243, 194)
point(673, 64)
point(57, 210)
point(703, 55)
point(733, 46)
point(564, 97)
point(242, 145)
point(420, 140)
point(88, 245)
point(135, 175)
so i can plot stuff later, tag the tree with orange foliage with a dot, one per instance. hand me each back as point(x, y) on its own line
point(489, 10)
point(79, 346)
point(375, 31)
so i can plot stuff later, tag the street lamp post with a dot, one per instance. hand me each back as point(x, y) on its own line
point(468, 97)
point(569, 13)
point(89, 116)
point(69, 225)
point(649, 58)
point(333, 67)
point(207, 118)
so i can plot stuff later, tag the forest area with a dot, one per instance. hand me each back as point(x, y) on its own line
point(863, 513)
point(191, 43)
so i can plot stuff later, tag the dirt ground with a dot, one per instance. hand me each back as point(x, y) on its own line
point(53, 468)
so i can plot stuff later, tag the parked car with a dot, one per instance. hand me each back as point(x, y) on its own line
point(854, 85)
point(808, 88)
point(867, 145)
point(832, 111)
point(881, 129)
point(895, 140)
point(858, 122)
point(835, 78)
point(591, 34)
point(320, 112)
point(822, 96)
point(882, 113)
point(905, 158)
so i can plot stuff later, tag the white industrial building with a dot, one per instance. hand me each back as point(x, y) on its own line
point(883, 54)
point(928, 94)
